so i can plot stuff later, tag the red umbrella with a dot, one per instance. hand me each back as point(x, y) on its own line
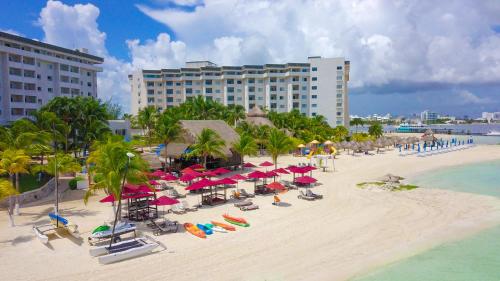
point(276, 186)
point(305, 180)
point(197, 167)
point(132, 188)
point(271, 174)
point(221, 171)
point(200, 184)
point(187, 177)
point(108, 199)
point(248, 165)
point(257, 175)
point(164, 201)
point(226, 181)
point(157, 173)
point(266, 164)
point(208, 174)
point(169, 177)
point(137, 195)
point(295, 169)
point(281, 171)
point(153, 182)
point(238, 177)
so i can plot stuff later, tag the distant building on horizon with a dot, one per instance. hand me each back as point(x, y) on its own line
point(32, 73)
point(428, 116)
point(318, 87)
point(491, 116)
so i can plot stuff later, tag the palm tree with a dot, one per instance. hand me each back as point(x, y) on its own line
point(376, 130)
point(14, 162)
point(357, 122)
point(208, 143)
point(7, 190)
point(278, 143)
point(167, 130)
point(245, 146)
point(108, 160)
point(261, 134)
point(147, 120)
point(233, 114)
point(63, 163)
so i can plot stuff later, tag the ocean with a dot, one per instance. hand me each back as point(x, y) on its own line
point(476, 258)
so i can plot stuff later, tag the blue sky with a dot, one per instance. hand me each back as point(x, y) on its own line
point(406, 56)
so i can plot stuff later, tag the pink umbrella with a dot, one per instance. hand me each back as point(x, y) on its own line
point(248, 165)
point(226, 181)
point(276, 186)
point(132, 188)
point(266, 164)
point(208, 174)
point(221, 171)
point(271, 174)
point(108, 199)
point(200, 184)
point(164, 201)
point(157, 173)
point(169, 177)
point(238, 177)
point(281, 171)
point(197, 167)
point(257, 175)
point(191, 172)
point(187, 177)
point(153, 182)
point(305, 180)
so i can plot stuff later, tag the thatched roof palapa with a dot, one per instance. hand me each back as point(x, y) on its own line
point(192, 128)
point(257, 117)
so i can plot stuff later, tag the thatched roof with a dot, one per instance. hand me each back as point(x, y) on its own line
point(192, 128)
point(257, 117)
point(256, 112)
point(152, 159)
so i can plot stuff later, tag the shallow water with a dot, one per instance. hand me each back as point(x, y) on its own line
point(474, 258)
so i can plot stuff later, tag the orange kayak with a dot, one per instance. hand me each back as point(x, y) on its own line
point(225, 226)
point(193, 229)
point(240, 220)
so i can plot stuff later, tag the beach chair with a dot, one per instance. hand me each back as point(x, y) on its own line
point(312, 194)
point(174, 194)
point(236, 195)
point(250, 207)
point(177, 209)
point(243, 203)
point(277, 200)
point(165, 226)
point(288, 184)
point(244, 193)
point(188, 207)
point(305, 197)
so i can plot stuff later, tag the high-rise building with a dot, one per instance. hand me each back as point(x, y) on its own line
point(318, 87)
point(32, 73)
point(428, 116)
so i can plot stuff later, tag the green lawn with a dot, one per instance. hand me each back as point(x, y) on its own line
point(29, 182)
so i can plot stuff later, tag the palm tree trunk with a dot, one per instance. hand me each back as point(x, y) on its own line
point(205, 161)
point(16, 210)
point(242, 163)
point(10, 212)
point(165, 143)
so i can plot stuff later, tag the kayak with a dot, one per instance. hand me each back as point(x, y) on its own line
point(191, 228)
point(223, 225)
point(205, 229)
point(237, 223)
point(215, 228)
point(228, 217)
point(100, 228)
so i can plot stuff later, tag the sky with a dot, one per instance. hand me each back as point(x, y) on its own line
point(406, 55)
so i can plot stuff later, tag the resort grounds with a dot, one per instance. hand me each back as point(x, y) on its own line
point(348, 233)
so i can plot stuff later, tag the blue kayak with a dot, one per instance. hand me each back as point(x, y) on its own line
point(205, 229)
point(58, 218)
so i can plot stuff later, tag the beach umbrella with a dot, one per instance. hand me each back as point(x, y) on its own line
point(187, 177)
point(276, 186)
point(169, 177)
point(301, 146)
point(248, 165)
point(328, 142)
point(221, 171)
point(266, 164)
point(108, 199)
point(281, 171)
point(256, 175)
point(306, 180)
point(164, 201)
point(238, 177)
point(197, 167)
point(153, 182)
point(200, 184)
point(157, 173)
point(228, 181)
point(314, 142)
point(191, 172)
point(208, 174)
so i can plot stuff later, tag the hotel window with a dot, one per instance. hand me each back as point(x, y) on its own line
point(251, 97)
point(304, 79)
point(197, 91)
point(295, 87)
point(273, 105)
point(29, 73)
point(49, 78)
point(273, 97)
point(170, 99)
point(88, 74)
point(339, 67)
point(282, 106)
point(64, 67)
point(230, 81)
point(314, 105)
point(313, 114)
point(168, 83)
point(74, 69)
point(230, 98)
point(151, 92)
point(16, 85)
point(217, 91)
point(304, 88)
point(314, 69)
point(89, 84)
point(272, 79)
point(261, 81)
point(339, 77)
point(282, 80)
point(15, 71)
point(189, 90)
point(339, 86)
point(260, 98)
point(303, 105)
point(339, 113)
point(282, 97)
point(230, 89)
point(208, 90)
point(314, 78)
point(188, 83)
point(282, 89)
point(259, 89)
point(177, 92)
point(251, 89)
point(272, 88)
point(64, 90)
point(251, 81)
point(238, 82)
point(305, 70)
point(339, 95)
point(29, 86)
point(239, 98)
point(170, 91)
point(208, 82)
point(208, 98)
point(151, 84)
point(49, 90)
point(314, 87)
point(176, 84)
point(339, 104)
point(314, 96)
point(151, 99)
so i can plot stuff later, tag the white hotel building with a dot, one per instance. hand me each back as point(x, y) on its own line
point(32, 73)
point(318, 87)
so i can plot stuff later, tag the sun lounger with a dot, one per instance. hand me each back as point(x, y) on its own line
point(244, 193)
point(312, 194)
point(177, 209)
point(248, 208)
point(174, 194)
point(243, 203)
point(236, 195)
point(288, 184)
point(163, 227)
point(188, 207)
point(305, 197)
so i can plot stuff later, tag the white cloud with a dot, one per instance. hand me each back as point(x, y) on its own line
point(159, 53)
point(466, 97)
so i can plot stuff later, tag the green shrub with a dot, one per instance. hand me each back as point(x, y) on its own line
point(73, 182)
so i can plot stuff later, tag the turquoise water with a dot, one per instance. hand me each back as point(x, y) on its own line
point(471, 259)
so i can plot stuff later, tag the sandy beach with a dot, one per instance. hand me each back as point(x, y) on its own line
point(348, 233)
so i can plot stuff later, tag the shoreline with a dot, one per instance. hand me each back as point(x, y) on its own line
point(346, 235)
